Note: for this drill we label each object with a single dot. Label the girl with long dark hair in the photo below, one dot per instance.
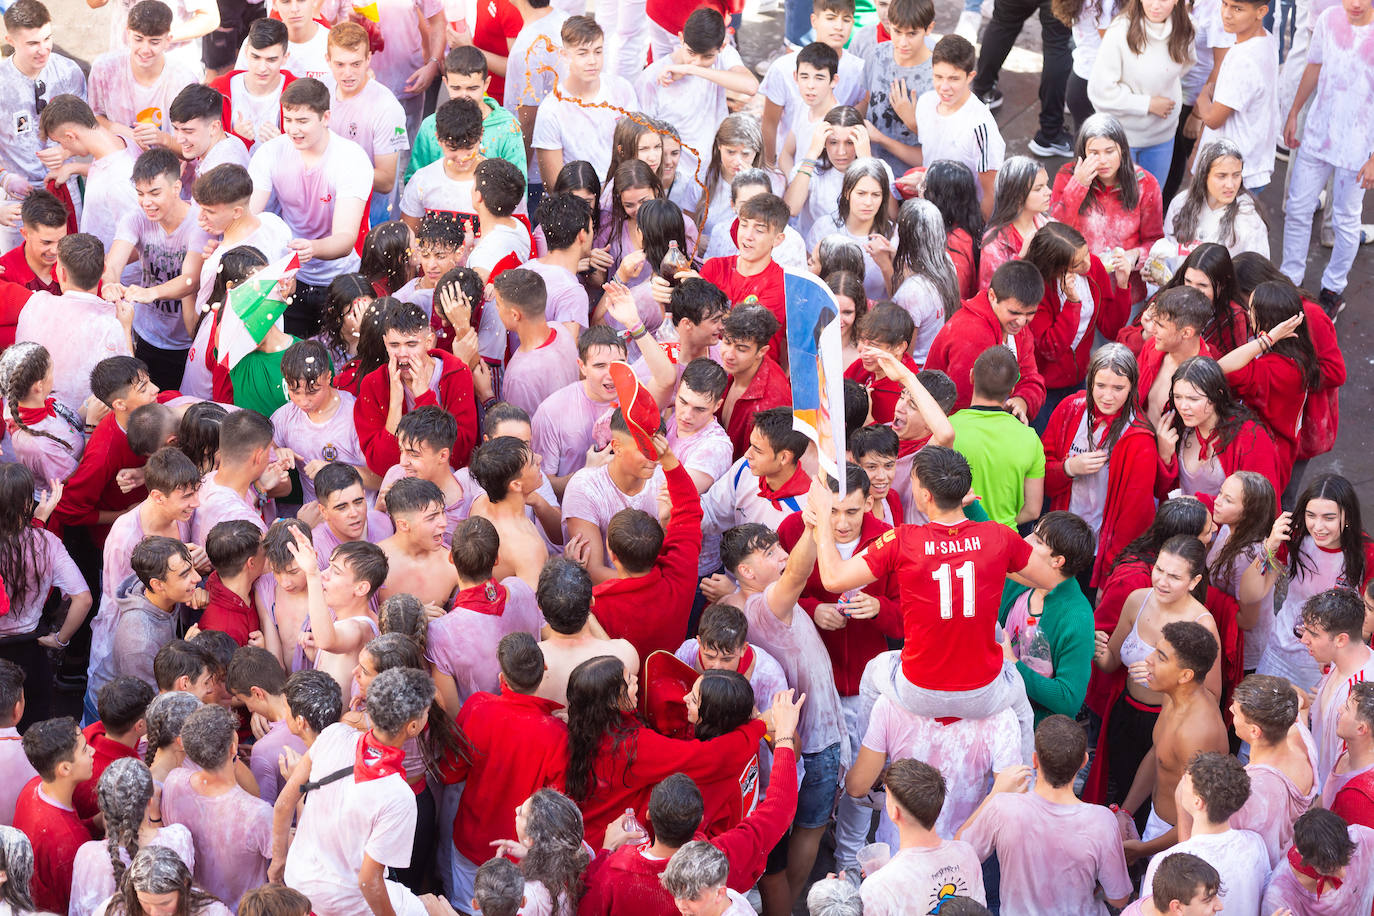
(1080, 298)
(838, 143)
(1326, 547)
(632, 185)
(862, 213)
(1205, 434)
(1126, 735)
(1020, 205)
(1100, 458)
(1209, 270)
(1104, 195)
(718, 703)
(1321, 413)
(33, 561)
(1274, 373)
(548, 843)
(123, 793)
(848, 288)
(1244, 513)
(158, 883)
(47, 437)
(345, 304)
(385, 257)
(738, 145)
(614, 761)
(1217, 207)
(924, 281)
(953, 189)
(577, 177)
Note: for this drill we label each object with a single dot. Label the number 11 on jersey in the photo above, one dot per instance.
(945, 576)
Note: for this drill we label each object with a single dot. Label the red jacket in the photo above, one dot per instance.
(225, 86)
(374, 399)
(1056, 322)
(1274, 388)
(227, 612)
(853, 646)
(883, 393)
(1322, 414)
(1105, 221)
(56, 834)
(1251, 449)
(769, 388)
(625, 775)
(106, 751)
(517, 748)
(13, 298)
(764, 288)
(1130, 480)
(651, 610)
(960, 247)
(625, 883)
(971, 330)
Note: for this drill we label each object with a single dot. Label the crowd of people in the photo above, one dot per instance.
(399, 464)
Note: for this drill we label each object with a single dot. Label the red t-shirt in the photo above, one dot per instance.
(56, 834)
(950, 580)
(497, 22)
(227, 612)
(883, 393)
(765, 288)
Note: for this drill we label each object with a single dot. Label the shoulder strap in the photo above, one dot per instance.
(323, 781)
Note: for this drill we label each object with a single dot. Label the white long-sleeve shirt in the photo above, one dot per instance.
(1122, 82)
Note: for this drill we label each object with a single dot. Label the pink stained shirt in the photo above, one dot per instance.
(232, 833)
(17, 772)
(378, 529)
(918, 880)
(533, 375)
(499, 246)
(1275, 803)
(1332, 692)
(1354, 897)
(967, 752)
(93, 875)
(797, 647)
(462, 643)
(592, 496)
(267, 752)
(220, 504)
(53, 568)
(372, 118)
(454, 513)
(1080, 845)
(78, 330)
(44, 457)
(566, 425)
(336, 439)
(566, 297)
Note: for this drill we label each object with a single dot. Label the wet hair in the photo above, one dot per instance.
(1180, 515)
(497, 462)
(314, 696)
(695, 869)
(556, 858)
(1190, 550)
(580, 175)
(252, 666)
(598, 335)
(412, 494)
(23, 557)
(333, 478)
(498, 887)
(1117, 359)
(64, 110)
(1194, 646)
(366, 561)
(564, 594)
(476, 545)
(775, 425)
(1251, 269)
(522, 661)
(122, 702)
(403, 615)
(635, 537)
(597, 694)
(278, 536)
(953, 189)
(675, 810)
(839, 252)
(1273, 303)
(874, 440)
(16, 852)
(706, 377)
(151, 427)
(82, 256)
(523, 289)
(1337, 489)
(235, 265)
(940, 387)
(1323, 840)
(23, 365)
(1060, 747)
(164, 717)
(850, 285)
(439, 233)
(274, 899)
(563, 217)
(738, 129)
(458, 123)
(501, 185)
(1204, 374)
(922, 251)
(196, 101)
(1215, 262)
(1102, 126)
(159, 870)
(113, 376)
(429, 425)
(152, 558)
(1269, 703)
(753, 323)
(208, 736)
(727, 702)
(1014, 181)
(397, 697)
(888, 324)
(231, 544)
(1185, 225)
(122, 793)
(696, 300)
(49, 743)
(344, 290)
(723, 628)
(502, 412)
(305, 361)
(386, 256)
(11, 691)
(918, 788)
(625, 141)
(306, 92)
(660, 224)
(1259, 508)
(945, 473)
(1222, 783)
(1337, 611)
(169, 470)
(856, 406)
(1068, 536)
(630, 175)
(1053, 250)
(218, 646)
(180, 658)
(739, 543)
(858, 170)
(1180, 877)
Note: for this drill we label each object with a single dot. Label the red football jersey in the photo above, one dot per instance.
(950, 579)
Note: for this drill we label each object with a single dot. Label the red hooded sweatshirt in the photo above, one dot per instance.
(651, 610)
(852, 647)
(625, 883)
(374, 400)
(1322, 415)
(1131, 471)
(1063, 363)
(1274, 388)
(971, 330)
(1250, 449)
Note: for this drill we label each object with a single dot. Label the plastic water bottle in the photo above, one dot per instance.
(631, 825)
(1035, 649)
(674, 262)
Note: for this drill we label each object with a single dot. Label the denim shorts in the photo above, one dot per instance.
(817, 793)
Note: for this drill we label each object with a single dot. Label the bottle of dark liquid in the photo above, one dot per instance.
(674, 262)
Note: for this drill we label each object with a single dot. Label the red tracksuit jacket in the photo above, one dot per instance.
(1054, 325)
(651, 610)
(455, 395)
(971, 330)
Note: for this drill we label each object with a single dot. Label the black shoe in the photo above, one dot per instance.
(992, 98)
(1059, 146)
(1332, 302)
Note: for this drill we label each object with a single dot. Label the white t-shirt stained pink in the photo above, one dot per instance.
(336, 439)
(462, 643)
(566, 297)
(917, 880)
(1275, 803)
(584, 133)
(566, 425)
(532, 375)
(161, 254)
(232, 832)
(218, 504)
(372, 118)
(115, 93)
(17, 769)
(78, 330)
(805, 661)
(592, 496)
(496, 244)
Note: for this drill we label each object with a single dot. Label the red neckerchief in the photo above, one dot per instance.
(375, 760)
(1204, 444)
(31, 415)
(487, 598)
(746, 659)
(883, 34)
(796, 485)
(1323, 881)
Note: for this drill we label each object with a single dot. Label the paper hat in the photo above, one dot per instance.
(638, 406)
(667, 679)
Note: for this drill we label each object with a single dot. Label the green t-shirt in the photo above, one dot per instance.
(1003, 453)
(258, 383)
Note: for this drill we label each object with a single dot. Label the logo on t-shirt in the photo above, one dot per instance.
(330, 452)
(750, 299)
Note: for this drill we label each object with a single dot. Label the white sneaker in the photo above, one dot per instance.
(969, 23)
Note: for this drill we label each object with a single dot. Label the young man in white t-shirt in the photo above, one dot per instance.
(445, 186)
(356, 827)
(505, 242)
(162, 230)
(307, 39)
(1241, 102)
(565, 131)
(254, 90)
(688, 88)
(197, 118)
(320, 183)
(366, 112)
(955, 124)
(134, 87)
